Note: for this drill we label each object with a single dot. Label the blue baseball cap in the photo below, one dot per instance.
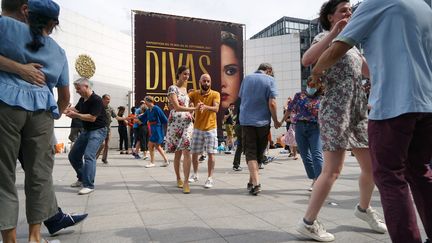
(47, 8)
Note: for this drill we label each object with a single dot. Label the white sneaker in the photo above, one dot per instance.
(315, 231)
(371, 217)
(165, 164)
(76, 184)
(193, 178)
(149, 165)
(85, 191)
(208, 183)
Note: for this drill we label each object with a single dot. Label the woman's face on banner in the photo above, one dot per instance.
(230, 76)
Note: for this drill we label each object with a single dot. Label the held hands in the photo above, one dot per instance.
(71, 112)
(32, 74)
(277, 124)
(201, 107)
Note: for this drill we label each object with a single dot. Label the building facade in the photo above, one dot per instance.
(112, 53)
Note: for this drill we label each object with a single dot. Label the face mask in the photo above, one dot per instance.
(311, 91)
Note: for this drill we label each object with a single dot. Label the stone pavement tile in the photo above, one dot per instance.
(183, 231)
(260, 235)
(71, 200)
(196, 199)
(66, 236)
(236, 225)
(217, 211)
(167, 216)
(107, 197)
(158, 205)
(260, 203)
(111, 222)
(282, 218)
(126, 235)
(214, 240)
(112, 209)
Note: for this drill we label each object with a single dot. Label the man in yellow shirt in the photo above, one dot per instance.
(205, 127)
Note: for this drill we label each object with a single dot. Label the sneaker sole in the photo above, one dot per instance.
(307, 234)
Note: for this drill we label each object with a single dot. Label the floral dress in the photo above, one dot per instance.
(343, 111)
(180, 125)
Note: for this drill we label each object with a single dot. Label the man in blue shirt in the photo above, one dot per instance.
(258, 107)
(397, 39)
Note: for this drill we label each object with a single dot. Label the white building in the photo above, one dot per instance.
(112, 53)
(283, 53)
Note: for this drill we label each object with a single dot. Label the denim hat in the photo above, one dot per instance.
(47, 8)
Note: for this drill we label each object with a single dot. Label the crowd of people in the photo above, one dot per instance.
(390, 138)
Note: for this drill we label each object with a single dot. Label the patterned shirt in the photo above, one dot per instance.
(306, 107)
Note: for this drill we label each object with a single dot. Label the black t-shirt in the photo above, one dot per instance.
(94, 107)
(76, 123)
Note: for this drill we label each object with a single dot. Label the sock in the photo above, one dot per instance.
(307, 222)
(361, 209)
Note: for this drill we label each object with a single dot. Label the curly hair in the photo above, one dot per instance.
(328, 8)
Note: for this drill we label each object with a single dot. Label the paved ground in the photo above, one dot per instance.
(135, 204)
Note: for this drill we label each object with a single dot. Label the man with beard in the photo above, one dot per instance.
(205, 127)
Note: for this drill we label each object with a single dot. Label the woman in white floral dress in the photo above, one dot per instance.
(180, 126)
(343, 123)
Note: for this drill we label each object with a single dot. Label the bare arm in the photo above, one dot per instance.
(29, 72)
(214, 107)
(174, 102)
(273, 110)
(73, 113)
(329, 58)
(287, 113)
(63, 98)
(316, 50)
(365, 68)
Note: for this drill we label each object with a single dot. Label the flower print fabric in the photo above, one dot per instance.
(180, 125)
(343, 110)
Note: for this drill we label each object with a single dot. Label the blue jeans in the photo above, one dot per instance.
(309, 144)
(86, 146)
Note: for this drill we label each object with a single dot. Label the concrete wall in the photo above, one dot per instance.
(283, 53)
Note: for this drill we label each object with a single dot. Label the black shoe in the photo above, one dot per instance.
(105, 161)
(268, 159)
(255, 190)
(249, 186)
(202, 158)
(427, 241)
(261, 166)
(62, 221)
(237, 168)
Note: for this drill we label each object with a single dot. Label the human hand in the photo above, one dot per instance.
(277, 124)
(70, 113)
(314, 81)
(201, 106)
(339, 26)
(32, 74)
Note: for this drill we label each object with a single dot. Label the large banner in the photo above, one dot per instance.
(165, 42)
